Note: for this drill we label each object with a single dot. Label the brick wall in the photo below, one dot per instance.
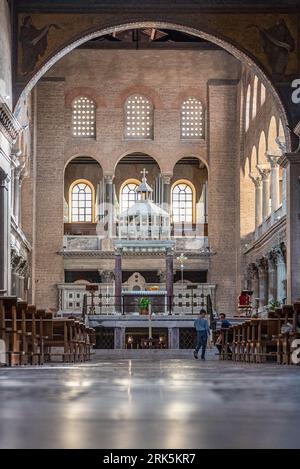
(167, 77)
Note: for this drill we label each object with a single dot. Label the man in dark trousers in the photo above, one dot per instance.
(203, 331)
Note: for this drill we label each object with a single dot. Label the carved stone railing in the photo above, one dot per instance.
(9, 125)
(270, 221)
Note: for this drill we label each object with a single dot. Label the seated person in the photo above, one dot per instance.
(244, 299)
(225, 324)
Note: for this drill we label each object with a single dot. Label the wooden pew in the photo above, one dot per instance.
(31, 335)
(10, 333)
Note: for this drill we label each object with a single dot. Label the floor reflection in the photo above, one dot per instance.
(150, 404)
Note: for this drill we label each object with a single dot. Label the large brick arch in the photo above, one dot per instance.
(204, 32)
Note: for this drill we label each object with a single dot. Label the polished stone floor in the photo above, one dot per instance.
(167, 403)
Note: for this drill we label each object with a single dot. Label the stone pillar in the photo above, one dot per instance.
(291, 162)
(281, 273)
(284, 205)
(173, 338)
(263, 281)
(119, 337)
(272, 277)
(169, 279)
(273, 160)
(109, 204)
(257, 181)
(118, 281)
(252, 280)
(265, 172)
(4, 232)
(166, 178)
(17, 195)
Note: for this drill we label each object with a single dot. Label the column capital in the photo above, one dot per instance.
(118, 251)
(281, 143)
(166, 177)
(170, 251)
(108, 178)
(252, 271)
(264, 171)
(4, 178)
(273, 159)
(15, 155)
(272, 259)
(279, 253)
(256, 179)
(262, 264)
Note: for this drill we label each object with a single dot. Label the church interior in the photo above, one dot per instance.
(149, 168)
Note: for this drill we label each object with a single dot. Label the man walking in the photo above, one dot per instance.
(202, 328)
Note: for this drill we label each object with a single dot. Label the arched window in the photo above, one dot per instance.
(191, 119)
(84, 118)
(254, 101)
(128, 194)
(247, 111)
(138, 112)
(262, 148)
(272, 145)
(262, 94)
(81, 201)
(183, 202)
(253, 162)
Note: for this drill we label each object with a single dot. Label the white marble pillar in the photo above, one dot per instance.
(109, 200)
(166, 178)
(284, 190)
(257, 181)
(265, 172)
(263, 281)
(272, 277)
(119, 338)
(281, 274)
(173, 338)
(17, 191)
(273, 160)
(252, 280)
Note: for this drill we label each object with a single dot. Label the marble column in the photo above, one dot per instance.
(4, 232)
(173, 338)
(169, 279)
(272, 277)
(257, 181)
(265, 172)
(118, 282)
(252, 280)
(273, 160)
(284, 204)
(281, 273)
(291, 162)
(119, 338)
(263, 281)
(17, 193)
(109, 204)
(167, 192)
